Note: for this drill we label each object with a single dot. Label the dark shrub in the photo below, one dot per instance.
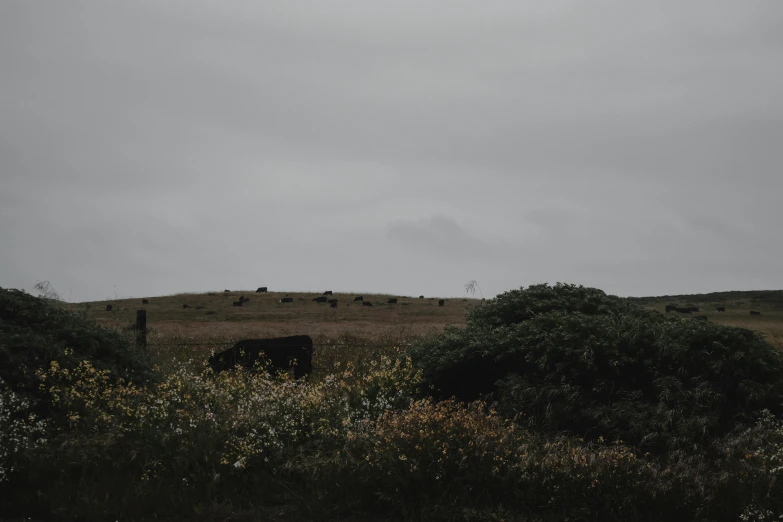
(573, 358)
(36, 331)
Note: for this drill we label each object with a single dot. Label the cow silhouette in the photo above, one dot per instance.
(393, 300)
(441, 302)
(145, 301)
(108, 308)
(280, 353)
(721, 309)
(333, 304)
(237, 303)
(359, 298)
(321, 299)
(421, 297)
(261, 289)
(185, 306)
(287, 300)
(753, 312)
(328, 292)
(366, 303)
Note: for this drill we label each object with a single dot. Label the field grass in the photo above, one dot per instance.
(738, 306)
(356, 439)
(211, 317)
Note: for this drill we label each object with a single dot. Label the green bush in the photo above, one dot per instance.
(36, 331)
(573, 358)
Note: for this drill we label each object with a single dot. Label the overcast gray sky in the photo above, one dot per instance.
(150, 147)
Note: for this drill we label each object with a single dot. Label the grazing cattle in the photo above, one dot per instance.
(359, 298)
(333, 304)
(753, 312)
(441, 302)
(321, 299)
(226, 290)
(237, 303)
(669, 308)
(421, 297)
(682, 310)
(393, 300)
(287, 300)
(261, 290)
(145, 301)
(244, 299)
(366, 303)
(328, 292)
(332, 301)
(185, 306)
(108, 308)
(280, 352)
(721, 309)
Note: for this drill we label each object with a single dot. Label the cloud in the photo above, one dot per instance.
(438, 236)
(175, 146)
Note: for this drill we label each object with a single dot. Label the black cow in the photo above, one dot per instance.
(359, 298)
(332, 301)
(721, 309)
(185, 306)
(280, 352)
(328, 292)
(145, 301)
(108, 308)
(441, 302)
(321, 299)
(753, 312)
(237, 303)
(682, 310)
(393, 300)
(421, 297)
(261, 289)
(366, 303)
(669, 308)
(287, 300)
(244, 299)
(333, 304)
(226, 290)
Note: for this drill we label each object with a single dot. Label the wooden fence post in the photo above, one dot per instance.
(141, 328)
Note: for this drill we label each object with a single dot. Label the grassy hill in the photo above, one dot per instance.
(601, 411)
(741, 301)
(212, 316)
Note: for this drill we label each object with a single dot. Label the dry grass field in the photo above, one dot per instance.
(737, 305)
(349, 332)
(212, 318)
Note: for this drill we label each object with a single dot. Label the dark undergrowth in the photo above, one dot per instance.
(554, 403)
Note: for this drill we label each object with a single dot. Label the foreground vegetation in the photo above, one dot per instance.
(551, 403)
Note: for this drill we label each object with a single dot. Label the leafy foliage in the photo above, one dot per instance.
(34, 331)
(573, 358)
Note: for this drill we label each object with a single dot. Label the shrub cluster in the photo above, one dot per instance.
(188, 444)
(566, 357)
(36, 331)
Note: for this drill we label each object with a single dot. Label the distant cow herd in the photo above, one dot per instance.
(690, 309)
(322, 299)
